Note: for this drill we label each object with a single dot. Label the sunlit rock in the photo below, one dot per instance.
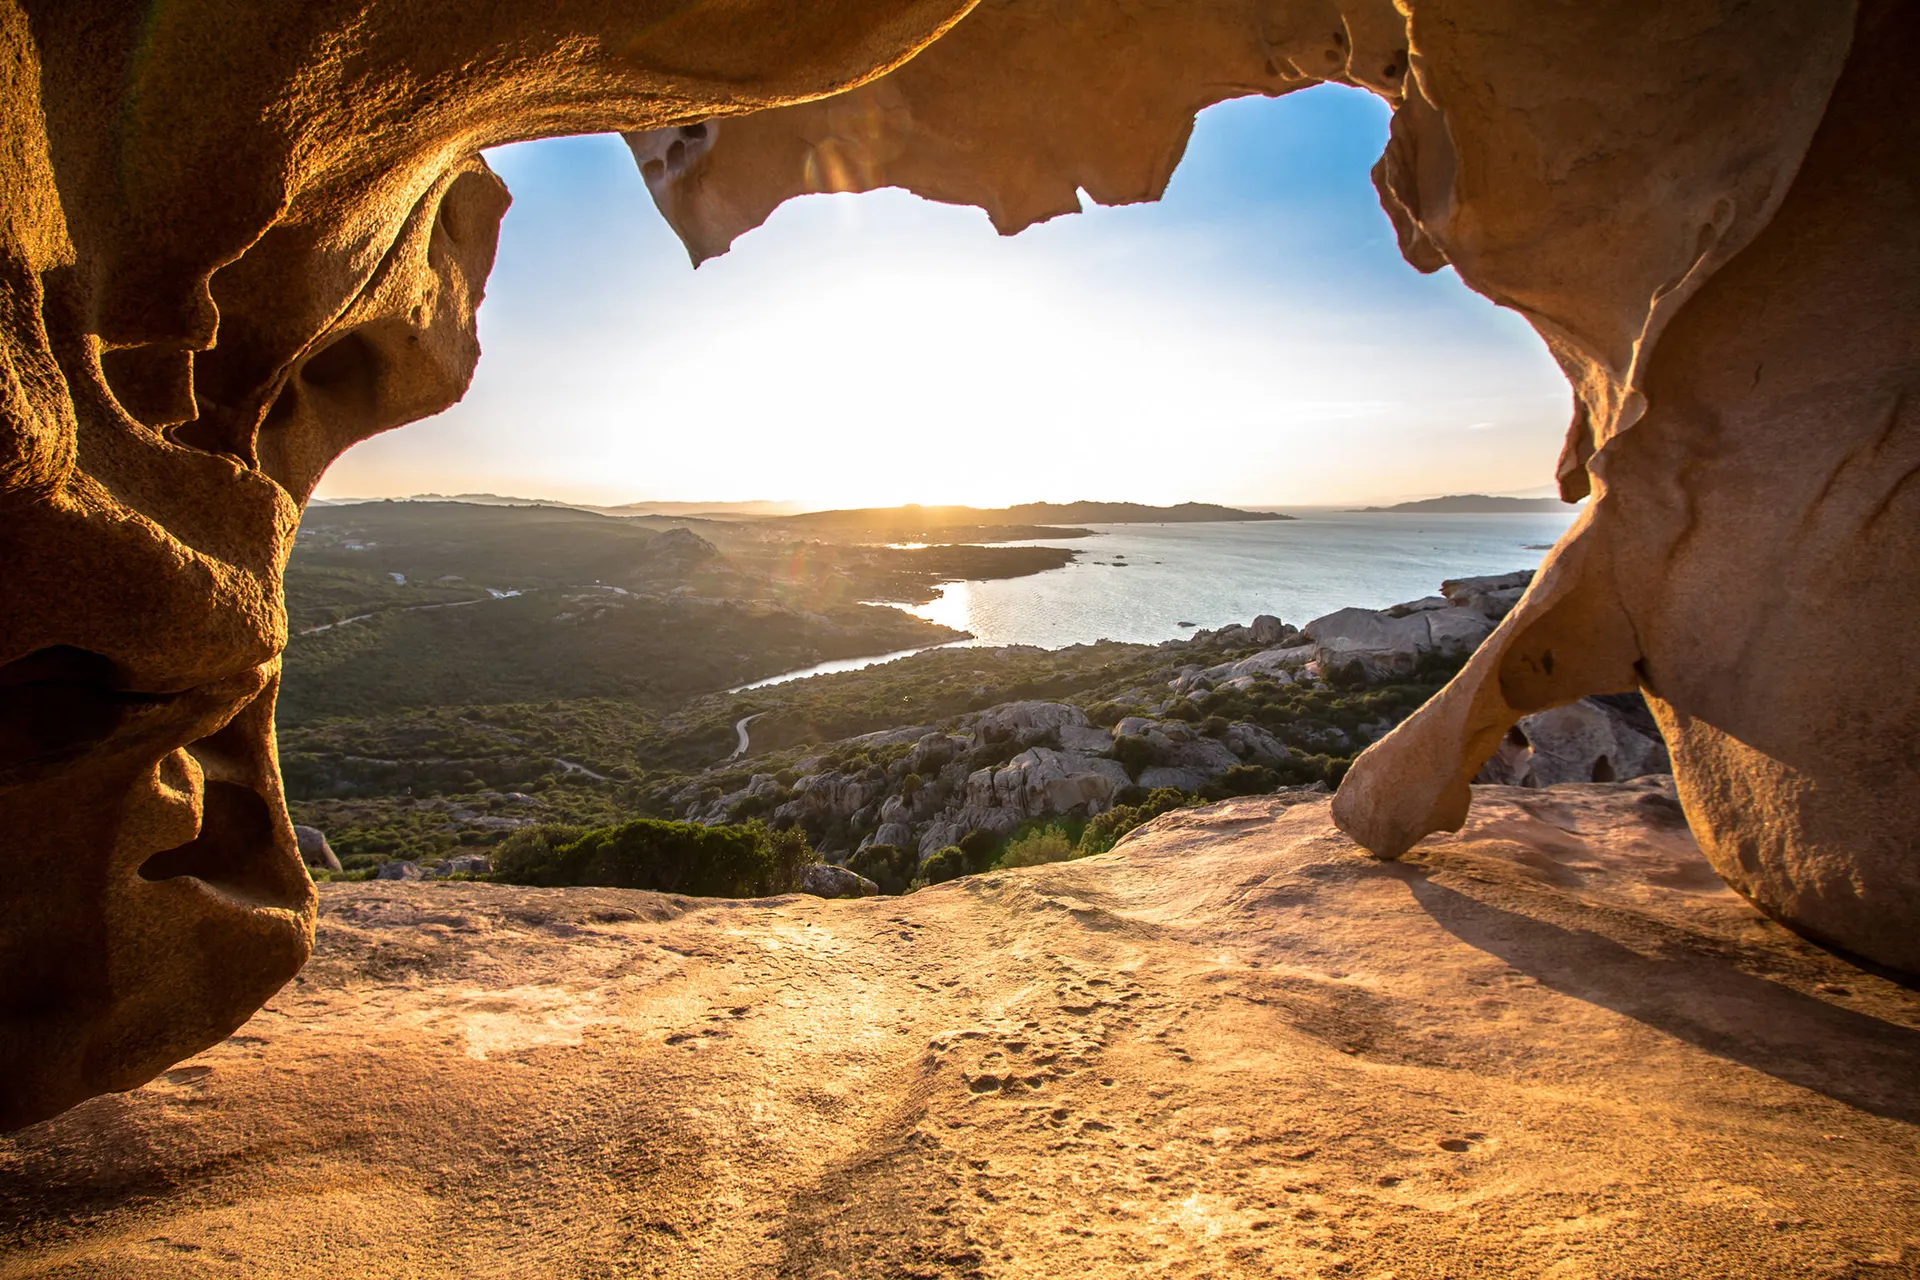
(231, 248)
(232, 244)
(1640, 201)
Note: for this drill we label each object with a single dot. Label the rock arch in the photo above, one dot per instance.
(230, 249)
(1687, 205)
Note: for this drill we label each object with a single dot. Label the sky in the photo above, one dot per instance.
(1254, 339)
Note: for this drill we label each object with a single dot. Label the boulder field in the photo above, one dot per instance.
(1554, 1044)
(1050, 760)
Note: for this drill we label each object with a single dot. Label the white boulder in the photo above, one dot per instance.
(1023, 721)
(1587, 741)
(897, 834)
(823, 880)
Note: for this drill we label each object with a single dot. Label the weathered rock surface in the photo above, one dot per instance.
(1555, 1045)
(1747, 558)
(825, 881)
(229, 249)
(234, 241)
(314, 849)
(1037, 783)
(1637, 200)
(1591, 740)
(1385, 645)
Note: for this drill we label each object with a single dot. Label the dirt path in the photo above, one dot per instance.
(1553, 1046)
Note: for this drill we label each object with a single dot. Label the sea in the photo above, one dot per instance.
(1148, 583)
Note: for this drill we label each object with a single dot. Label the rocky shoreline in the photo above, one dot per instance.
(1058, 761)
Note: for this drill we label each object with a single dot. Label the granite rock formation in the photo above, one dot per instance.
(1709, 212)
(229, 248)
(314, 849)
(1555, 1045)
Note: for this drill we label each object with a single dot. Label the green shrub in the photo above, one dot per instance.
(743, 861)
(1105, 830)
(947, 864)
(1215, 726)
(748, 807)
(1242, 780)
(1134, 753)
(531, 855)
(979, 847)
(1048, 844)
(886, 865)
(1345, 677)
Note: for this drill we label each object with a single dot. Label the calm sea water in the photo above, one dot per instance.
(1213, 575)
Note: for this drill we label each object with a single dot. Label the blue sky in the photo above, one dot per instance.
(1254, 338)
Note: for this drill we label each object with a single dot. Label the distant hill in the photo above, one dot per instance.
(918, 519)
(717, 509)
(694, 509)
(1473, 504)
(397, 605)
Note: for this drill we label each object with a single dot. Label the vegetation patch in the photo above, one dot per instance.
(748, 860)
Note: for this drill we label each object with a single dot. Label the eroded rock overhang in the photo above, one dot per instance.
(229, 249)
(1642, 182)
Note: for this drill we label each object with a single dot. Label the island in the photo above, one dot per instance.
(1026, 520)
(1478, 504)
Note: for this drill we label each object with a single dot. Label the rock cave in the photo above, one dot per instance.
(1596, 1030)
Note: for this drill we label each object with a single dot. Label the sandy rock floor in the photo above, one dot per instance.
(1552, 1046)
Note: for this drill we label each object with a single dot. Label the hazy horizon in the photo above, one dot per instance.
(1254, 339)
(788, 506)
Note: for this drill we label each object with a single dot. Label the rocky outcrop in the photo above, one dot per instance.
(1636, 203)
(1039, 782)
(825, 881)
(1182, 757)
(1267, 630)
(468, 864)
(1592, 740)
(1553, 1045)
(1379, 643)
(1493, 596)
(314, 849)
(230, 247)
(403, 870)
(1047, 760)
(228, 250)
(1383, 645)
(680, 547)
(827, 796)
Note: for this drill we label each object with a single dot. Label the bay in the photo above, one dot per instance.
(1140, 583)
(1147, 583)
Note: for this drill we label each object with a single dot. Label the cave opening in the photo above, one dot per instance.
(876, 348)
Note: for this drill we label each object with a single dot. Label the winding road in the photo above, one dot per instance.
(740, 727)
